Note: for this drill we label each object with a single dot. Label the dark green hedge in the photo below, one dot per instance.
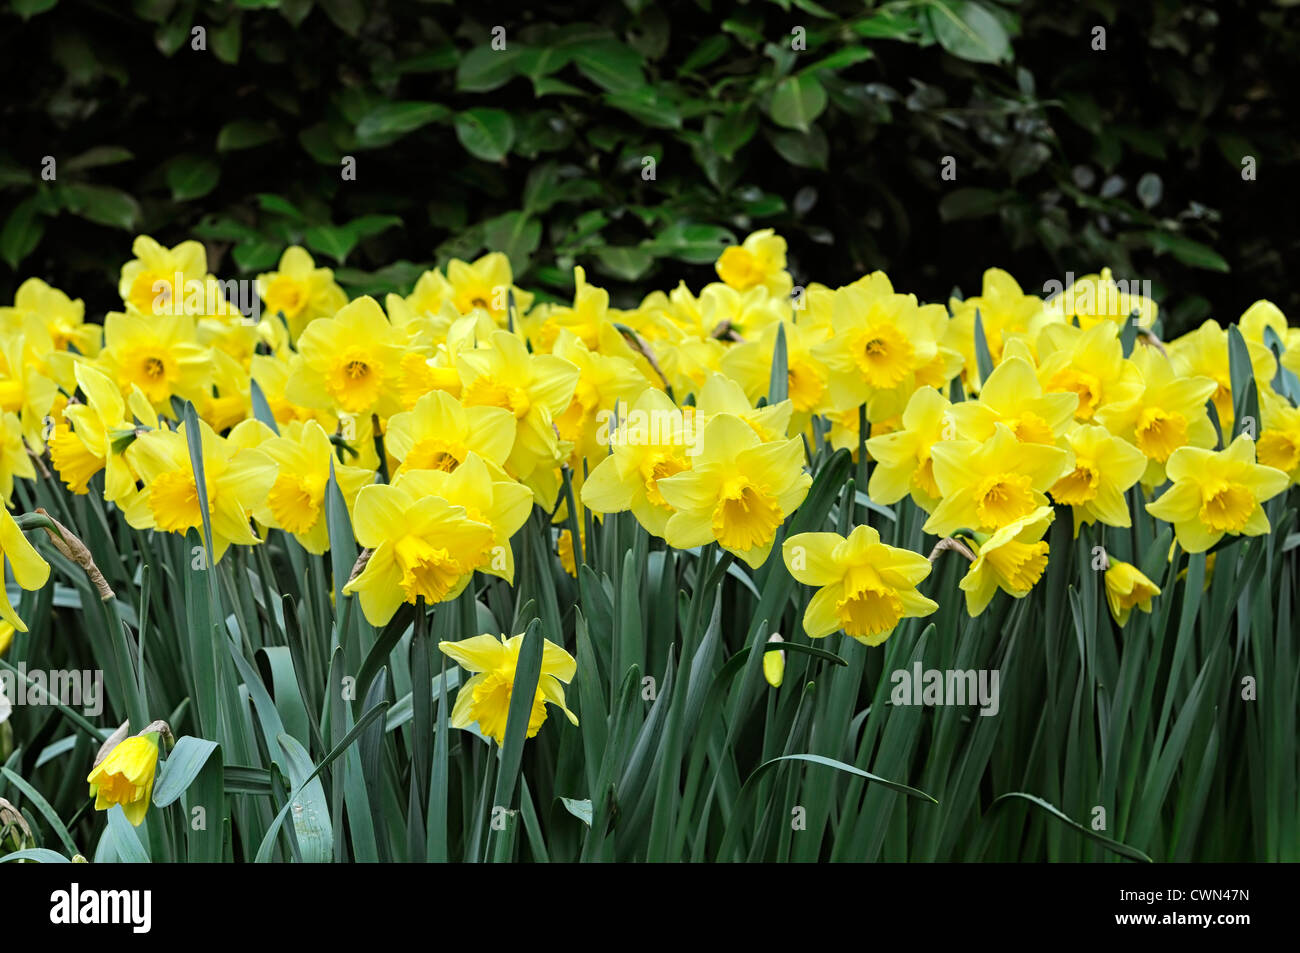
(1067, 157)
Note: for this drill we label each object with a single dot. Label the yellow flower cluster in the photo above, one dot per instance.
(445, 414)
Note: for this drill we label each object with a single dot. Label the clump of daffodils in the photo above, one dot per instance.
(447, 416)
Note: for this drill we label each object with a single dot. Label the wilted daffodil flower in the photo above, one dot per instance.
(1127, 587)
(126, 777)
(865, 586)
(485, 698)
(1215, 493)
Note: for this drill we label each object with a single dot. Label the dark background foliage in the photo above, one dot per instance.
(1067, 157)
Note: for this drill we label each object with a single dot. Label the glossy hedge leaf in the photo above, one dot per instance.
(21, 234)
(625, 262)
(968, 31)
(810, 150)
(96, 157)
(30, 8)
(102, 205)
(699, 244)
(483, 69)
(797, 101)
(729, 132)
(395, 119)
(192, 177)
(1186, 250)
(245, 134)
(485, 133)
(968, 203)
(515, 234)
(611, 65)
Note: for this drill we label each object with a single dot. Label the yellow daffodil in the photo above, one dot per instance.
(1216, 493)
(480, 285)
(759, 261)
(1104, 468)
(1089, 364)
(485, 698)
(650, 442)
(535, 388)
(1011, 559)
(1126, 588)
(99, 433)
(722, 395)
(29, 570)
(348, 363)
(1279, 443)
(584, 320)
(1204, 353)
(864, 587)
(1095, 298)
(903, 457)
(487, 495)
(1013, 396)
(439, 433)
(154, 282)
(300, 291)
(604, 380)
(879, 341)
(738, 491)
(158, 354)
(24, 391)
(170, 498)
(63, 318)
(14, 458)
(1168, 413)
(985, 486)
(422, 547)
(288, 476)
(740, 315)
(126, 777)
(750, 364)
(1004, 310)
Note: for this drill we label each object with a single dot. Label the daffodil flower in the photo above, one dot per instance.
(348, 363)
(154, 282)
(300, 291)
(650, 443)
(1011, 559)
(737, 493)
(170, 499)
(985, 486)
(288, 476)
(1127, 588)
(1104, 468)
(757, 262)
(1013, 396)
(29, 570)
(158, 354)
(865, 587)
(904, 462)
(485, 698)
(126, 777)
(1217, 493)
(422, 547)
(439, 433)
